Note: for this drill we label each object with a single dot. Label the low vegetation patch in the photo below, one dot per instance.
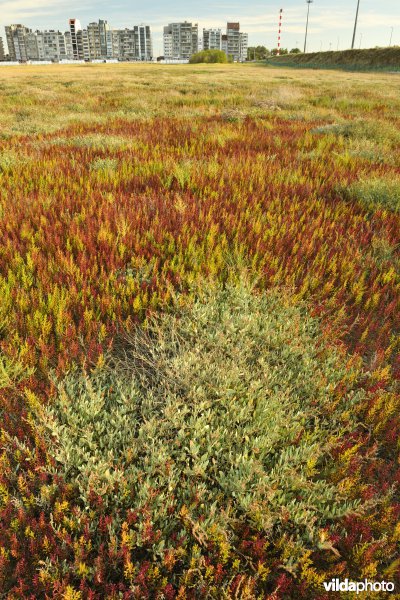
(375, 193)
(209, 56)
(8, 160)
(219, 417)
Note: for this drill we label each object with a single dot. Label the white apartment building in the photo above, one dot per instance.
(94, 40)
(128, 44)
(48, 45)
(134, 44)
(32, 47)
(181, 40)
(167, 44)
(244, 44)
(76, 40)
(212, 39)
(2, 51)
(97, 36)
(237, 42)
(54, 46)
(144, 46)
(112, 43)
(82, 37)
(15, 35)
(69, 51)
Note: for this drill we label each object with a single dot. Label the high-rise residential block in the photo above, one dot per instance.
(2, 51)
(97, 36)
(104, 28)
(69, 51)
(94, 40)
(15, 35)
(167, 42)
(244, 44)
(134, 44)
(237, 42)
(181, 40)
(34, 46)
(83, 41)
(76, 39)
(113, 41)
(55, 46)
(224, 43)
(212, 39)
(48, 45)
(127, 44)
(144, 46)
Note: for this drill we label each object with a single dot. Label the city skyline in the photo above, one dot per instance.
(328, 29)
(99, 41)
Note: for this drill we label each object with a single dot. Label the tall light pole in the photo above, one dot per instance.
(391, 36)
(355, 25)
(308, 14)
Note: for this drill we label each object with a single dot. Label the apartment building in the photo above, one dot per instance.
(97, 36)
(34, 46)
(127, 44)
(237, 42)
(144, 46)
(2, 51)
(224, 43)
(69, 50)
(48, 45)
(181, 40)
(15, 35)
(103, 29)
(212, 39)
(76, 39)
(133, 44)
(167, 43)
(112, 42)
(83, 43)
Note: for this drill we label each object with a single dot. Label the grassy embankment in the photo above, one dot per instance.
(373, 59)
(245, 443)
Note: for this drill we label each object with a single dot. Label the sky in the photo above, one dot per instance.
(330, 27)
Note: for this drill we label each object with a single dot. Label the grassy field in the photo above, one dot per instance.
(199, 331)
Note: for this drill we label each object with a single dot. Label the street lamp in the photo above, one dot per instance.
(355, 25)
(308, 14)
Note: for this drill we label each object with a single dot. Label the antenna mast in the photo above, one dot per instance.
(279, 32)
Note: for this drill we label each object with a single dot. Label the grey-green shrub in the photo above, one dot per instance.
(104, 164)
(376, 193)
(227, 407)
(8, 160)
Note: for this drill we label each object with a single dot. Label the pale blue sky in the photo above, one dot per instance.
(331, 21)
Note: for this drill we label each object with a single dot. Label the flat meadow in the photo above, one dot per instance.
(199, 331)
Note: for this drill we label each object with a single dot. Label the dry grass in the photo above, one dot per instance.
(43, 99)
